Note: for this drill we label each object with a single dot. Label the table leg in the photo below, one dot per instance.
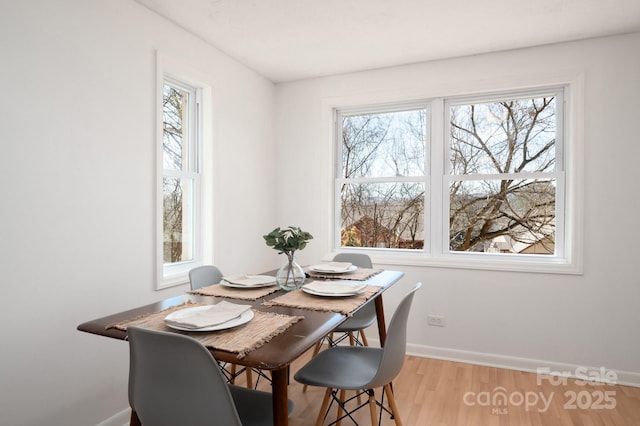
(134, 421)
(382, 327)
(279, 384)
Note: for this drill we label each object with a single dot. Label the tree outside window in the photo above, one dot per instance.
(179, 180)
(502, 182)
(382, 184)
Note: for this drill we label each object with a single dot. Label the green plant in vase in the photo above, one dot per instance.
(287, 240)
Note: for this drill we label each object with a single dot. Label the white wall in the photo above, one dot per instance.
(520, 320)
(77, 206)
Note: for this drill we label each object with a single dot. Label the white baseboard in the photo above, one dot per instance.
(626, 378)
(119, 419)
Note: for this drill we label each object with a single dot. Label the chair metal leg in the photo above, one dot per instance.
(392, 404)
(233, 374)
(323, 408)
(345, 410)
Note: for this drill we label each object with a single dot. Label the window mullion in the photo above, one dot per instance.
(438, 205)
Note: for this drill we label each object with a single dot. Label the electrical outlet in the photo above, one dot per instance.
(437, 320)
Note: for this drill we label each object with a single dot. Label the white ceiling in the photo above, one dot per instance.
(287, 40)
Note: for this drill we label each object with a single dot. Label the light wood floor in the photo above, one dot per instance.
(432, 392)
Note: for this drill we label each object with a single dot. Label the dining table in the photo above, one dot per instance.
(275, 355)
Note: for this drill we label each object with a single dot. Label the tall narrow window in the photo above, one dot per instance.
(180, 177)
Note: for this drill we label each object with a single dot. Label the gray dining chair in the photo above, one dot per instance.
(203, 276)
(175, 380)
(366, 316)
(352, 328)
(206, 275)
(362, 369)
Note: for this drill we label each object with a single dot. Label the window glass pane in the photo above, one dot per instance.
(178, 219)
(510, 136)
(383, 215)
(175, 106)
(384, 144)
(503, 216)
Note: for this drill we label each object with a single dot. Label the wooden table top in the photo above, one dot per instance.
(275, 354)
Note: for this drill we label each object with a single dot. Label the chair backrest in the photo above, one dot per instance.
(395, 345)
(361, 261)
(174, 380)
(358, 259)
(203, 276)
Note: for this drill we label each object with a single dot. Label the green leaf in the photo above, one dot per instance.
(287, 240)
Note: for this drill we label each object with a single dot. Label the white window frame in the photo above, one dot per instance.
(568, 257)
(176, 73)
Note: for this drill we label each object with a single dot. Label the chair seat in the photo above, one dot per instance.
(362, 319)
(342, 367)
(255, 408)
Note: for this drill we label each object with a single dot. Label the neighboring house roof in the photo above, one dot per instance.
(528, 244)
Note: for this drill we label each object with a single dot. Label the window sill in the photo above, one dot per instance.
(485, 262)
(173, 281)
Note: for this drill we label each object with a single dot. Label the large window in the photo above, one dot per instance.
(481, 177)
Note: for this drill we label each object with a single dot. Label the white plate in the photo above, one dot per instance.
(244, 318)
(323, 270)
(250, 281)
(329, 294)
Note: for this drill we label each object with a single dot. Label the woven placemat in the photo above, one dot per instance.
(235, 293)
(360, 274)
(343, 305)
(242, 339)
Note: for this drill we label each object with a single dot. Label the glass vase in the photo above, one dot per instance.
(290, 276)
